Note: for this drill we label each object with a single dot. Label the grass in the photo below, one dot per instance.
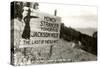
(61, 52)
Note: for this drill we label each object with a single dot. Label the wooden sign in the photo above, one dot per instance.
(45, 30)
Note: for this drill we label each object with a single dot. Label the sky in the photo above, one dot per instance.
(73, 15)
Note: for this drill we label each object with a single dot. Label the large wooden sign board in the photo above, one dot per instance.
(45, 30)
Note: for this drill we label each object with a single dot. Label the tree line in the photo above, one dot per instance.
(89, 43)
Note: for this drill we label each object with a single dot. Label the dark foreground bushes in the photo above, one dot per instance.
(89, 43)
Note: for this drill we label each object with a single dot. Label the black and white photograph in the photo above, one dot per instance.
(46, 33)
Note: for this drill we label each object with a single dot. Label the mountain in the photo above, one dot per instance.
(88, 31)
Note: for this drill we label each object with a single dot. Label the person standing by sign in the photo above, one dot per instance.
(27, 15)
(26, 32)
(20, 25)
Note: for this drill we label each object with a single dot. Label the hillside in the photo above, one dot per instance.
(88, 31)
(64, 50)
(89, 43)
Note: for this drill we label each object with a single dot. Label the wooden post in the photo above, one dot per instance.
(50, 53)
(55, 13)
